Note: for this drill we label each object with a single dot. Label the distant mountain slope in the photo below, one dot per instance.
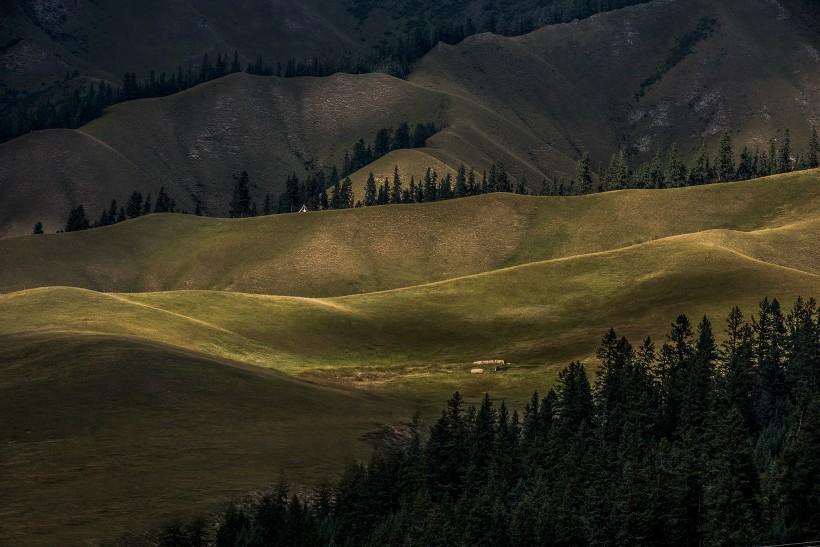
(194, 142)
(361, 250)
(43, 39)
(640, 77)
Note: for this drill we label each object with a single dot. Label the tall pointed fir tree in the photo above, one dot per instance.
(396, 191)
(785, 153)
(726, 159)
(813, 150)
(583, 176)
(240, 205)
(370, 192)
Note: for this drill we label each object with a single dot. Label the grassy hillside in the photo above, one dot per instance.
(363, 250)
(193, 143)
(502, 313)
(121, 410)
(534, 102)
(105, 434)
(174, 410)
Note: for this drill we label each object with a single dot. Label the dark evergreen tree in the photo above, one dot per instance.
(396, 192)
(583, 175)
(461, 190)
(676, 172)
(370, 192)
(726, 169)
(813, 150)
(38, 229)
(785, 153)
(77, 220)
(240, 205)
(134, 206)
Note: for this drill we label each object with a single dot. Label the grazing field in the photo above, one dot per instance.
(143, 399)
(337, 253)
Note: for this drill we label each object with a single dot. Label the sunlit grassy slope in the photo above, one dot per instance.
(345, 252)
(120, 409)
(548, 311)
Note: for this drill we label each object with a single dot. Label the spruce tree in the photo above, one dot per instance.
(77, 220)
(785, 153)
(461, 189)
(240, 205)
(401, 138)
(370, 192)
(676, 172)
(430, 187)
(134, 206)
(583, 176)
(813, 150)
(396, 192)
(381, 146)
(347, 194)
(726, 160)
(731, 495)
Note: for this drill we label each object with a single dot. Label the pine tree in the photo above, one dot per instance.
(134, 206)
(445, 187)
(396, 192)
(240, 205)
(813, 150)
(112, 212)
(38, 228)
(401, 138)
(461, 189)
(726, 160)
(383, 196)
(381, 146)
(370, 192)
(430, 187)
(146, 206)
(774, 162)
(785, 153)
(347, 194)
(77, 220)
(731, 494)
(583, 176)
(675, 169)
(745, 167)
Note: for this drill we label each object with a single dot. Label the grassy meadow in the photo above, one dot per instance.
(163, 365)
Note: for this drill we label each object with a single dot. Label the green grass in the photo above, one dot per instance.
(346, 252)
(106, 434)
(122, 409)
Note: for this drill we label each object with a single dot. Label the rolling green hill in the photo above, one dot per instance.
(363, 250)
(102, 434)
(123, 409)
(535, 102)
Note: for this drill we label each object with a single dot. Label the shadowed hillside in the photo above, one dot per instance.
(94, 427)
(533, 102)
